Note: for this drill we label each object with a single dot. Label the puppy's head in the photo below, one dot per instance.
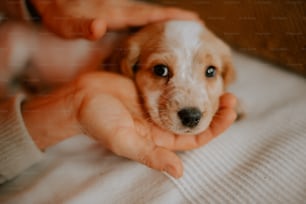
(180, 69)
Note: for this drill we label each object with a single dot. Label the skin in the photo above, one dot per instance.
(92, 18)
(112, 116)
(105, 106)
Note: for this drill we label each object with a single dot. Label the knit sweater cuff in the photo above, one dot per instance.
(17, 149)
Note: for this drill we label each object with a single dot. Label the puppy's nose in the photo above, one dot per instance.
(190, 117)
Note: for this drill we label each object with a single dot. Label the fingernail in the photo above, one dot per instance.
(97, 29)
(172, 171)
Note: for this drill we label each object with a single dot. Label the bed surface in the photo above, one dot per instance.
(260, 159)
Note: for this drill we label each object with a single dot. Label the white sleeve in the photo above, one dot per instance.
(17, 149)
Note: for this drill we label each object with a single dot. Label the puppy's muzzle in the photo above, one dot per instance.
(190, 117)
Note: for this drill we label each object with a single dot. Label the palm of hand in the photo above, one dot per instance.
(112, 115)
(106, 116)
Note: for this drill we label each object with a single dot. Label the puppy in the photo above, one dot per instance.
(179, 67)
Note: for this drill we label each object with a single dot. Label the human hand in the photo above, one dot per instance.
(116, 120)
(105, 106)
(92, 18)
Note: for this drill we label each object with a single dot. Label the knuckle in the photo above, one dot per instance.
(146, 161)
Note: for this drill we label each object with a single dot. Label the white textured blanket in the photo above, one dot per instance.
(261, 159)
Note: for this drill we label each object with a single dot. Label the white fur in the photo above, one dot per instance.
(182, 42)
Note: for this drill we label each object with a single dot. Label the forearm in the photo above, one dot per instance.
(52, 118)
(55, 117)
(17, 149)
(28, 126)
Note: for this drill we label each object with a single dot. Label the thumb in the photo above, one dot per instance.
(127, 143)
(68, 27)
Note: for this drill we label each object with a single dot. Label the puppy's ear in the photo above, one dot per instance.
(130, 58)
(228, 71)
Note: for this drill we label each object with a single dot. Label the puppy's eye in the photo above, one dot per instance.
(161, 70)
(210, 71)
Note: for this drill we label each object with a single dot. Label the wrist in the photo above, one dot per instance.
(51, 119)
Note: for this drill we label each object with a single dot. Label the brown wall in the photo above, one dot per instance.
(272, 29)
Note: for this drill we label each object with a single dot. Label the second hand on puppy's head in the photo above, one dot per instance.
(181, 69)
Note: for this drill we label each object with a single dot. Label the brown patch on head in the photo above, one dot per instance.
(228, 71)
(222, 50)
(139, 45)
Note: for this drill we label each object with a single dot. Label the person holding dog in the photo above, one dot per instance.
(110, 114)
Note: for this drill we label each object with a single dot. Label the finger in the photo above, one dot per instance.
(228, 100)
(147, 13)
(67, 27)
(98, 29)
(172, 141)
(222, 120)
(127, 143)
